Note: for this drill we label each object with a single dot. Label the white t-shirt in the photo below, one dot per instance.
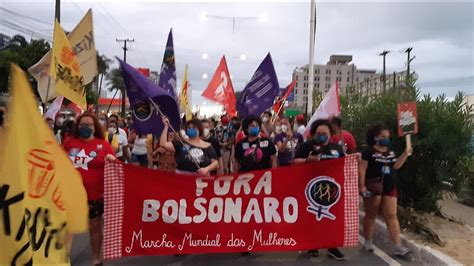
(301, 129)
(122, 141)
(140, 146)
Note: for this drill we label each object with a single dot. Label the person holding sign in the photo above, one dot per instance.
(377, 185)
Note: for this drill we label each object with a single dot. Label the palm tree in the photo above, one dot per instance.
(115, 82)
(103, 64)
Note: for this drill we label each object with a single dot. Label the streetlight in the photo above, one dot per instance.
(204, 76)
(243, 57)
(262, 18)
(205, 56)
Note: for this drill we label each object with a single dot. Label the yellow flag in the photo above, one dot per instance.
(183, 98)
(83, 43)
(41, 193)
(65, 69)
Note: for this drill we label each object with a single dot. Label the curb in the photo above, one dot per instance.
(425, 254)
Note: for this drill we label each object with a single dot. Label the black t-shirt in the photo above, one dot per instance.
(327, 152)
(215, 144)
(245, 150)
(379, 163)
(184, 156)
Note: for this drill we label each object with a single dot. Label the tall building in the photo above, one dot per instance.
(340, 68)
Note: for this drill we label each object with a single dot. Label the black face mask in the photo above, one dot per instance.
(1, 119)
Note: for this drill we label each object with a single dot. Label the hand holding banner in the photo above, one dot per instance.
(407, 118)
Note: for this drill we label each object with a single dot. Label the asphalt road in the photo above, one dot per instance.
(81, 255)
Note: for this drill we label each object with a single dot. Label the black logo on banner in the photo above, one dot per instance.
(322, 193)
(142, 110)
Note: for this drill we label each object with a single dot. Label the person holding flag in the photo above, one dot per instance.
(183, 97)
(193, 155)
(287, 143)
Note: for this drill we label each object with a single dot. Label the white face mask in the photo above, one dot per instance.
(284, 128)
(278, 129)
(183, 134)
(206, 132)
(60, 120)
(265, 119)
(112, 130)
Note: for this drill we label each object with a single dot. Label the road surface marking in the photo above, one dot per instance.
(384, 256)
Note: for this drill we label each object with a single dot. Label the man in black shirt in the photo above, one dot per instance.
(317, 149)
(254, 152)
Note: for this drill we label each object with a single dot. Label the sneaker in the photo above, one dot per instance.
(368, 246)
(400, 250)
(313, 252)
(335, 254)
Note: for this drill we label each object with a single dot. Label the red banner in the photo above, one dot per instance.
(300, 207)
(407, 118)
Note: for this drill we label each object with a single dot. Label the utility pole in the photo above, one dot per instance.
(124, 47)
(57, 10)
(384, 80)
(409, 59)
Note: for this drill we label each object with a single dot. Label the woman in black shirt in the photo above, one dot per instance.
(317, 149)
(194, 152)
(377, 185)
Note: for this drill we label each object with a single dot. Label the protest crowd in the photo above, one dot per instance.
(258, 137)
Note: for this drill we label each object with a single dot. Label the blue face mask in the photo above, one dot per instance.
(254, 131)
(320, 139)
(384, 142)
(85, 132)
(191, 132)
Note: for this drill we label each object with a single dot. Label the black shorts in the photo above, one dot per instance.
(96, 208)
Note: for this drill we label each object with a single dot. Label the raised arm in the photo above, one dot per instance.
(164, 136)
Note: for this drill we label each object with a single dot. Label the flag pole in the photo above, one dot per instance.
(279, 110)
(174, 131)
(110, 104)
(311, 57)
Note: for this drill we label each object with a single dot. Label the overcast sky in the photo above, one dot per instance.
(441, 34)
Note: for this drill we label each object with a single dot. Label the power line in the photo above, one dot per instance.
(24, 16)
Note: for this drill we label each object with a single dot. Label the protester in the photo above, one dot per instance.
(287, 143)
(226, 135)
(114, 117)
(254, 152)
(165, 159)
(277, 128)
(377, 185)
(103, 121)
(347, 142)
(193, 155)
(118, 142)
(267, 127)
(88, 151)
(207, 136)
(141, 154)
(301, 123)
(317, 149)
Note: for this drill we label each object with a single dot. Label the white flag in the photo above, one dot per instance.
(330, 106)
(54, 108)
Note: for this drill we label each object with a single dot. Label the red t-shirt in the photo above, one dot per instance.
(349, 141)
(89, 159)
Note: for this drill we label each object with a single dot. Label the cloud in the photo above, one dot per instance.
(440, 33)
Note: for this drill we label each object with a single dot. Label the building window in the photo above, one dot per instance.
(305, 77)
(305, 85)
(339, 72)
(316, 71)
(296, 84)
(347, 79)
(328, 71)
(296, 77)
(316, 79)
(348, 73)
(317, 85)
(328, 78)
(305, 92)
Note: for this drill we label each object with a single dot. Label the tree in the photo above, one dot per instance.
(22, 53)
(115, 82)
(442, 152)
(103, 64)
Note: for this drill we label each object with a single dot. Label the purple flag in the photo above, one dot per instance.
(146, 119)
(167, 79)
(261, 90)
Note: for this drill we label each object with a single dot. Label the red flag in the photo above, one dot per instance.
(281, 100)
(220, 88)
